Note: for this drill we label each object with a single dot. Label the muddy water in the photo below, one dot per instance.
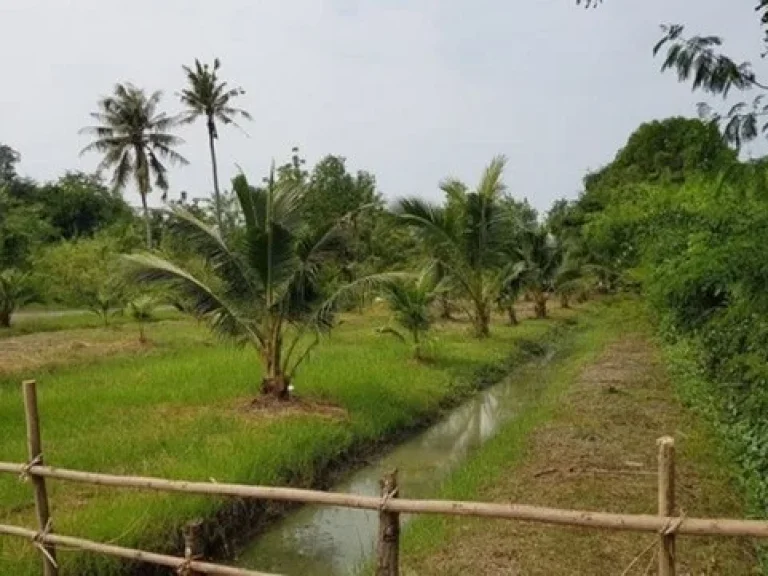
(315, 541)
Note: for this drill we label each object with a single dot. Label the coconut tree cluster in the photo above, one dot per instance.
(136, 140)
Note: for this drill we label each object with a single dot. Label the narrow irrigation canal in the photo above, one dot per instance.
(315, 541)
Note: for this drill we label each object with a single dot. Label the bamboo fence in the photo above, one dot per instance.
(388, 504)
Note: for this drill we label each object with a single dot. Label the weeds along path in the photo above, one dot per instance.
(592, 447)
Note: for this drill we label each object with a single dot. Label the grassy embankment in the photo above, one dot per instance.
(588, 444)
(186, 414)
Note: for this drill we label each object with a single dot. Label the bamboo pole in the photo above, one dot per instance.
(35, 454)
(666, 446)
(130, 554)
(604, 520)
(193, 542)
(388, 544)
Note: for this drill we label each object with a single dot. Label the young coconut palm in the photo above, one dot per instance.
(15, 291)
(543, 258)
(513, 288)
(207, 97)
(467, 237)
(133, 137)
(142, 309)
(410, 300)
(265, 289)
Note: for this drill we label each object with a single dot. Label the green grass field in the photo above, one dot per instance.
(36, 320)
(186, 414)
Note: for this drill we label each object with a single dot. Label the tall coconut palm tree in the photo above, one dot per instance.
(207, 97)
(260, 285)
(134, 139)
(467, 237)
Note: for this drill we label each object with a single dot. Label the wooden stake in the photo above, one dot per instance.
(193, 542)
(666, 446)
(388, 547)
(35, 454)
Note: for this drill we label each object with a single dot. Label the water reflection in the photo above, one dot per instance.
(337, 541)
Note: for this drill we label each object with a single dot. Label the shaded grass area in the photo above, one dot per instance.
(35, 320)
(186, 414)
(590, 444)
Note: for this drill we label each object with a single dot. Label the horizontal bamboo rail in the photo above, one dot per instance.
(129, 553)
(586, 519)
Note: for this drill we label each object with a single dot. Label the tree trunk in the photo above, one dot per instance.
(275, 383)
(482, 320)
(512, 316)
(445, 308)
(147, 222)
(142, 335)
(564, 301)
(276, 386)
(215, 168)
(5, 318)
(540, 304)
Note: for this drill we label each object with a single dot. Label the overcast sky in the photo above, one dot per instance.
(412, 90)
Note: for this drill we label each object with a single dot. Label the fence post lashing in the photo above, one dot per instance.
(388, 545)
(666, 445)
(193, 543)
(35, 454)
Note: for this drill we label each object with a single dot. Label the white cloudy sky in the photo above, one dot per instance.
(413, 90)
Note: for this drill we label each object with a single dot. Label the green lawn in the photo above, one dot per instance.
(184, 414)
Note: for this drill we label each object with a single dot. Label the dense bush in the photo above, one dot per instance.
(696, 242)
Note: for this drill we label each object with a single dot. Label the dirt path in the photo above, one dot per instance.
(598, 452)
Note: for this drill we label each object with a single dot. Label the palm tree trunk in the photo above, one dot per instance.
(445, 308)
(512, 315)
(147, 222)
(215, 168)
(540, 306)
(482, 320)
(275, 382)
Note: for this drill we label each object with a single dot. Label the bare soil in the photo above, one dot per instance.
(599, 453)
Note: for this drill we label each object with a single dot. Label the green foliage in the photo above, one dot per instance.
(8, 160)
(86, 273)
(80, 205)
(697, 247)
(22, 229)
(15, 291)
(667, 151)
(333, 192)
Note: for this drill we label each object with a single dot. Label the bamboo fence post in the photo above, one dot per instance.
(666, 446)
(193, 543)
(388, 546)
(35, 453)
